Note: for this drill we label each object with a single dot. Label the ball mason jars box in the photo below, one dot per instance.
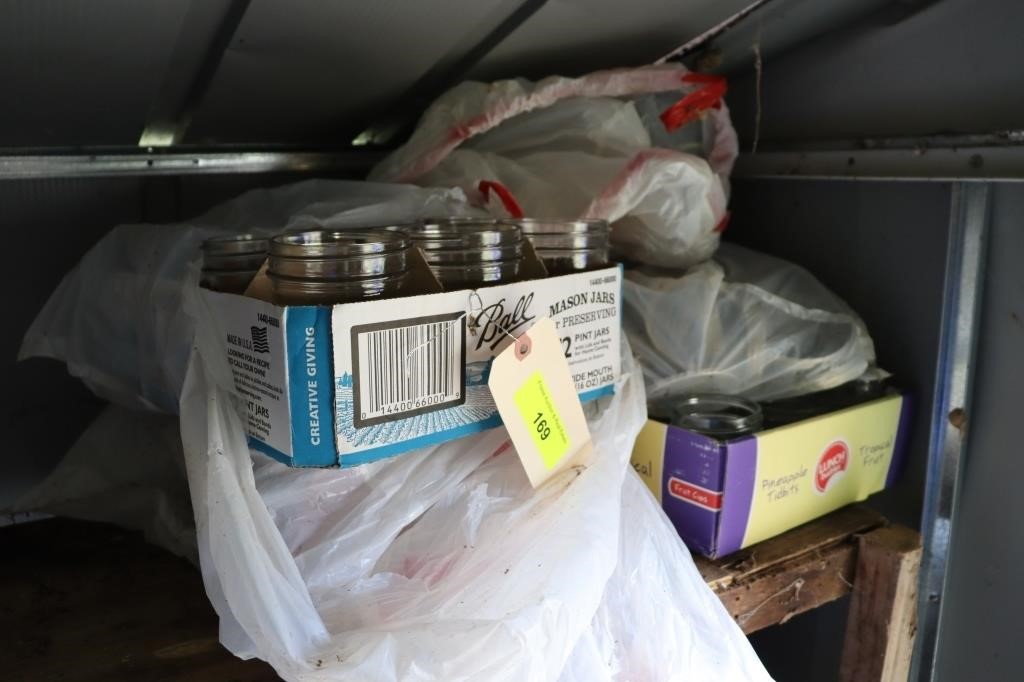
(347, 384)
(726, 494)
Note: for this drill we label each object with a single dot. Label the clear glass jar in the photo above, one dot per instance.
(568, 246)
(465, 253)
(325, 267)
(723, 417)
(230, 263)
(568, 261)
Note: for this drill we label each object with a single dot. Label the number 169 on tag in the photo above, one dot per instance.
(542, 419)
(543, 430)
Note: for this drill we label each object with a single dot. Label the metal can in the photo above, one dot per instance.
(722, 417)
(568, 246)
(465, 253)
(325, 267)
(229, 263)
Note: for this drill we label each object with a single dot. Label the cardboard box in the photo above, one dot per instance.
(723, 496)
(353, 383)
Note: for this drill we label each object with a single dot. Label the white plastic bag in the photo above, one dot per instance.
(444, 564)
(126, 468)
(657, 620)
(117, 318)
(565, 148)
(746, 324)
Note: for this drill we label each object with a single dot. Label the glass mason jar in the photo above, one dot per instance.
(568, 246)
(229, 263)
(465, 253)
(723, 417)
(325, 267)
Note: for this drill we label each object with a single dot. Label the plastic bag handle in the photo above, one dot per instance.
(723, 223)
(708, 96)
(507, 200)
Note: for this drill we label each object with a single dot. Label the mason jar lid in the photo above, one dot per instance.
(718, 416)
(338, 243)
(539, 226)
(234, 244)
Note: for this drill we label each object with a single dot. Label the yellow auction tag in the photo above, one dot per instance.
(542, 419)
(535, 394)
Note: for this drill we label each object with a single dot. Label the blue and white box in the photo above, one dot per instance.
(352, 383)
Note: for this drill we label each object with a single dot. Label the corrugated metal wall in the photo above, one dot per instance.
(982, 630)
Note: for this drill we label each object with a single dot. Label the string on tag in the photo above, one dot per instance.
(474, 298)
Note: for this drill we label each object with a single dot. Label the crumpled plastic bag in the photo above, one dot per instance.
(443, 563)
(744, 324)
(126, 468)
(116, 320)
(574, 148)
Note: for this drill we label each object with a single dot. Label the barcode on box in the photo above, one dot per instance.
(407, 367)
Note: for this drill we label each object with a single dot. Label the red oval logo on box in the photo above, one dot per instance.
(831, 465)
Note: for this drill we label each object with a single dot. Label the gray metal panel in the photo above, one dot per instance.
(310, 71)
(965, 262)
(926, 160)
(142, 163)
(48, 225)
(81, 72)
(882, 248)
(981, 630)
(776, 26)
(571, 37)
(952, 67)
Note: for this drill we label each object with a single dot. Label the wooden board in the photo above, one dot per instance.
(883, 612)
(801, 569)
(88, 602)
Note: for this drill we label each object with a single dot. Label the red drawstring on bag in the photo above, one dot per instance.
(723, 223)
(690, 107)
(507, 200)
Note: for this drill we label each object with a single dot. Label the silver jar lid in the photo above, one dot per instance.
(718, 416)
(338, 243)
